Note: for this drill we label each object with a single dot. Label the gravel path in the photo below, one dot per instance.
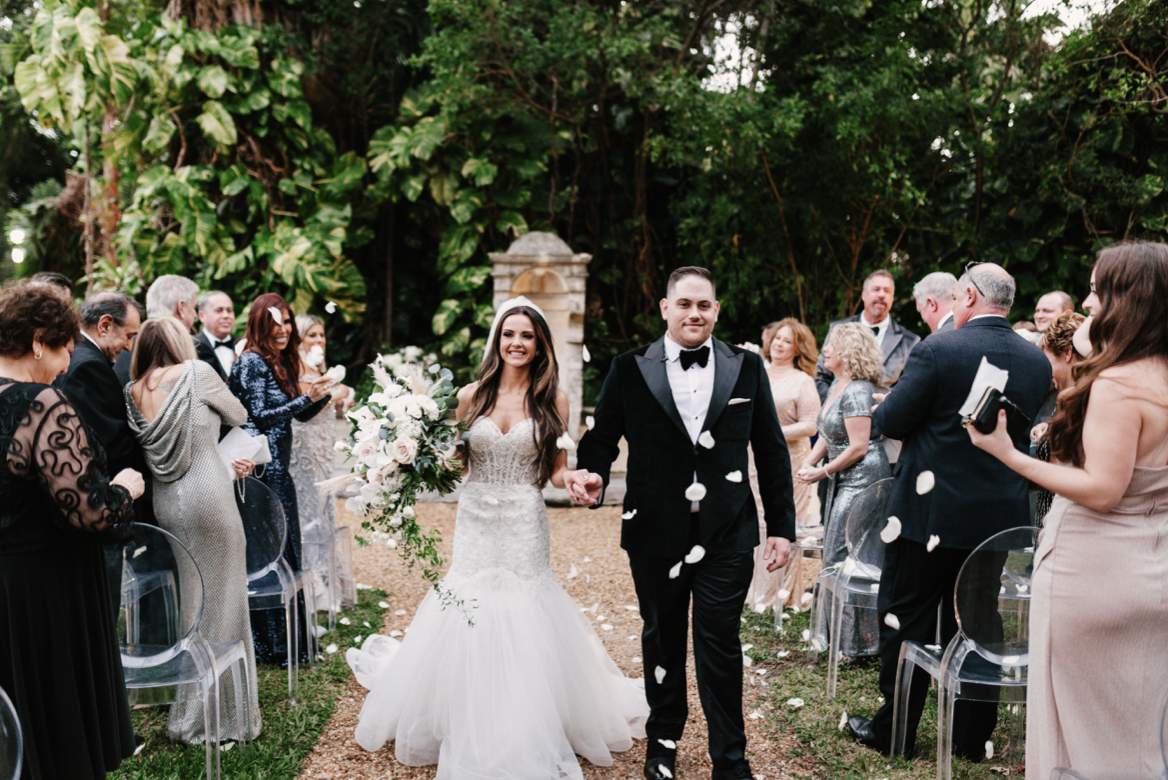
(588, 540)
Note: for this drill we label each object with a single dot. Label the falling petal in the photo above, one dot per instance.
(587, 559)
(636, 659)
(400, 612)
(989, 748)
(760, 671)
(602, 618)
(925, 482)
(747, 647)
(383, 604)
(1002, 591)
(756, 715)
(934, 648)
(572, 573)
(675, 571)
(747, 660)
(138, 749)
(783, 593)
(843, 720)
(357, 640)
(806, 634)
(706, 440)
(1010, 660)
(277, 315)
(669, 743)
(226, 746)
(934, 540)
(783, 653)
(1023, 588)
(695, 492)
(585, 355)
(565, 443)
(806, 598)
(331, 649)
(659, 673)
(331, 307)
(664, 770)
(875, 587)
(631, 608)
(891, 531)
(395, 634)
(594, 607)
(696, 554)
(629, 515)
(346, 621)
(796, 703)
(366, 622)
(892, 621)
(590, 421)
(606, 626)
(734, 476)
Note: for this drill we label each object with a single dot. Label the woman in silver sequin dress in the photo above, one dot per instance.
(848, 436)
(176, 406)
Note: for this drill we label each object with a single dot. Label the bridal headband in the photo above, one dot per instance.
(501, 314)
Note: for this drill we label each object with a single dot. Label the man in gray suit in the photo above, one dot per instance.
(934, 297)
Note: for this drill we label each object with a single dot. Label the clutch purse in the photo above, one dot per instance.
(264, 454)
(985, 415)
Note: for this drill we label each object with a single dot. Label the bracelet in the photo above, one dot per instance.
(826, 473)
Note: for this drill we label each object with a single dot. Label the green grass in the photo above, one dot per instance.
(288, 732)
(816, 725)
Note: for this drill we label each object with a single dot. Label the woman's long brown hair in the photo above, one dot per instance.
(1131, 280)
(261, 339)
(544, 376)
(806, 352)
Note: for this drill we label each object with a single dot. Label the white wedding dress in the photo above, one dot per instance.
(517, 695)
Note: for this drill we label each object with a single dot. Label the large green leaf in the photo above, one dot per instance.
(426, 136)
(213, 81)
(447, 313)
(217, 123)
(482, 171)
(466, 279)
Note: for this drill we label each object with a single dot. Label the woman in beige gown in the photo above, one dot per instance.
(1099, 610)
(788, 346)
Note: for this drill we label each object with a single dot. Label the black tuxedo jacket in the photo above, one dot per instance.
(975, 495)
(206, 353)
(898, 343)
(636, 402)
(96, 393)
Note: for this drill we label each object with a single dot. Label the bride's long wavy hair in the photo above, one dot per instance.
(544, 384)
(1131, 280)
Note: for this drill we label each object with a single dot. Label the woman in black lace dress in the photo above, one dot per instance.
(59, 658)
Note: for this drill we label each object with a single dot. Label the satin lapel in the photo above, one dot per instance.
(652, 365)
(892, 339)
(727, 366)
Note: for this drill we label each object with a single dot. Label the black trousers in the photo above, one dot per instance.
(718, 584)
(914, 581)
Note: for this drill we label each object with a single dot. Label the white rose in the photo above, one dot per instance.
(366, 450)
(408, 513)
(395, 521)
(404, 450)
(413, 353)
(429, 408)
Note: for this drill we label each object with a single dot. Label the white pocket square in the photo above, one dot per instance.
(739, 401)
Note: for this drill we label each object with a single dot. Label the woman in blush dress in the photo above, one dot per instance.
(788, 346)
(313, 454)
(264, 379)
(529, 686)
(176, 406)
(1099, 615)
(59, 660)
(1057, 343)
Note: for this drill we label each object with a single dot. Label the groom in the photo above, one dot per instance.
(689, 405)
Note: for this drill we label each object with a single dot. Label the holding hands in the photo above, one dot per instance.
(809, 473)
(583, 486)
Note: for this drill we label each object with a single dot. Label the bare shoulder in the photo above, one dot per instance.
(1146, 379)
(561, 397)
(466, 392)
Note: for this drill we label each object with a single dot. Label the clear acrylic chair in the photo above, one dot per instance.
(807, 547)
(271, 583)
(852, 584)
(988, 657)
(11, 742)
(177, 664)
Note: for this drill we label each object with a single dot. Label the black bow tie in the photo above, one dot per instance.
(875, 330)
(227, 342)
(701, 356)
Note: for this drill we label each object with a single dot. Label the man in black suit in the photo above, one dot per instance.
(934, 299)
(975, 495)
(169, 296)
(688, 405)
(215, 345)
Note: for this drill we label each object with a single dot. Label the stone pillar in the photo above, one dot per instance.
(546, 270)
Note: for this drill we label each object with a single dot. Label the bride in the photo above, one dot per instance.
(528, 685)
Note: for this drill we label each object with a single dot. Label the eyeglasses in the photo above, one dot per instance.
(968, 268)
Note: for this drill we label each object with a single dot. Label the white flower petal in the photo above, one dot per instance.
(796, 703)
(875, 587)
(606, 626)
(277, 315)
(706, 440)
(632, 608)
(934, 648)
(934, 540)
(1010, 660)
(843, 720)
(806, 634)
(669, 743)
(383, 604)
(636, 659)
(366, 622)
(399, 612)
(783, 593)
(664, 770)
(734, 476)
(1023, 588)
(806, 597)
(760, 671)
(572, 573)
(989, 748)
(892, 621)
(891, 532)
(587, 559)
(139, 551)
(585, 355)
(659, 673)
(590, 421)
(925, 482)
(747, 647)
(331, 649)
(138, 749)
(675, 571)
(756, 715)
(226, 746)
(696, 554)
(331, 307)
(357, 640)
(783, 653)
(395, 634)
(747, 660)
(695, 492)
(565, 443)
(629, 515)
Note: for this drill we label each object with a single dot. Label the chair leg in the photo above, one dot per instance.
(904, 674)
(211, 734)
(312, 643)
(833, 652)
(945, 705)
(290, 623)
(242, 710)
(334, 582)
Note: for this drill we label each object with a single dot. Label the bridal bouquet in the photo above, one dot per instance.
(403, 443)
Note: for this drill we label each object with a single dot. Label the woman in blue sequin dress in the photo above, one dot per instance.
(264, 379)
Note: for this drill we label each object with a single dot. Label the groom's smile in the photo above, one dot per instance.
(690, 311)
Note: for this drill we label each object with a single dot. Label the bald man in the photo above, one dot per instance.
(1049, 307)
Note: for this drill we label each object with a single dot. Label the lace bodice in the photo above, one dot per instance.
(499, 458)
(53, 475)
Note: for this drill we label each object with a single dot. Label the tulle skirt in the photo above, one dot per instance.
(514, 697)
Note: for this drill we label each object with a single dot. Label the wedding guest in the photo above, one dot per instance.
(311, 461)
(264, 378)
(934, 299)
(176, 405)
(59, 660)
(946, 489)
(1099, 619)
(168, 296)
(850, 444)
(1058, 346)
(1049, 307)
(788, 347)
(54, 278)
(215, 345)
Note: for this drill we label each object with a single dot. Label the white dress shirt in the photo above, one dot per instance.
(881, 327)
(692, 390)
(225, 353)
(93, 341)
